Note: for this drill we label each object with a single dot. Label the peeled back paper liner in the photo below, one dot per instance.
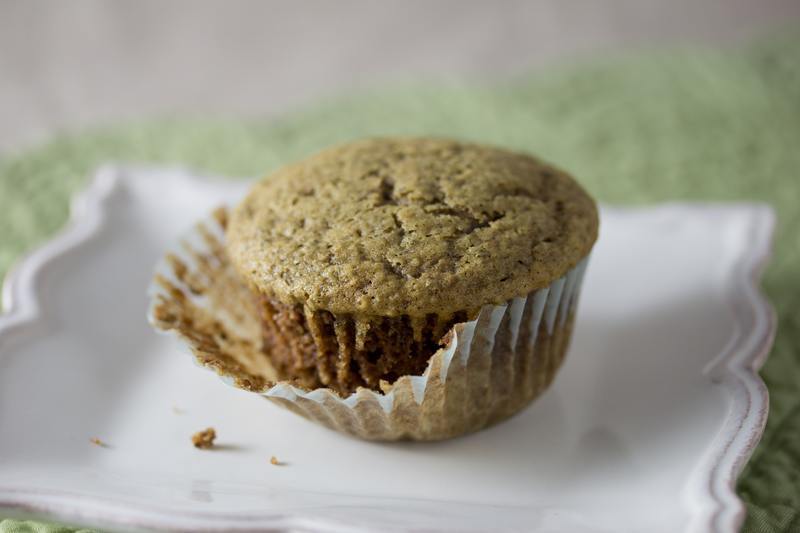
(489, 367)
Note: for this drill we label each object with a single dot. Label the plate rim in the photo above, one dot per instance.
(735, 369)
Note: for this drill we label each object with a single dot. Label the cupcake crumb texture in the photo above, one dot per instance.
(414, 227)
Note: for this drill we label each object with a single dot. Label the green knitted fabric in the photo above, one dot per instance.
(687, 124)
(30, 526)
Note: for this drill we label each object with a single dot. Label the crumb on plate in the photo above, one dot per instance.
(98, 442)
(204, 439)
(274, 460)
(177, 410)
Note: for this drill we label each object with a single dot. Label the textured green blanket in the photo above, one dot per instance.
(691, 124)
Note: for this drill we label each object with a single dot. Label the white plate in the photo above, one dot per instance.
(645, 429)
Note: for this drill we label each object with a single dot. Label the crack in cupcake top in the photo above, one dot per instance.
(410, 227)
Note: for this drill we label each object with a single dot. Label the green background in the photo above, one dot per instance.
(693, 124)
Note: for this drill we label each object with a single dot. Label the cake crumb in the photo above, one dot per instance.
(178, 411)
(204, 439)
(274, 460)
(98, 442)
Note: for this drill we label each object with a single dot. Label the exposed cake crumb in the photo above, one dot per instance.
(274, 460)
(204, 439)
(98, 442)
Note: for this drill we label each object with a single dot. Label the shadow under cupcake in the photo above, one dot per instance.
(388, 288)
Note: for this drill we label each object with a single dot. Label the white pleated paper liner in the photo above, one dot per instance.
(492, 366)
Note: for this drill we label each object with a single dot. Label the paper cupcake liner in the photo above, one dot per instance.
(490, 368)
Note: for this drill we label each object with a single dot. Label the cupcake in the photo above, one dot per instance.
(390, 288)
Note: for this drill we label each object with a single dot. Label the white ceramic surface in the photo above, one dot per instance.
(652, 417)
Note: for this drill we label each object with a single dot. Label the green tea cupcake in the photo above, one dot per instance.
(363, 257)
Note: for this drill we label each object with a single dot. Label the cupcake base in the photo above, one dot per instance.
(342, 352)
(462, 399)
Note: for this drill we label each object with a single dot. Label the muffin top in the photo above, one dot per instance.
(410, 227)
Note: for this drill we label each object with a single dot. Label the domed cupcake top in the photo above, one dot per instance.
(411, 226)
